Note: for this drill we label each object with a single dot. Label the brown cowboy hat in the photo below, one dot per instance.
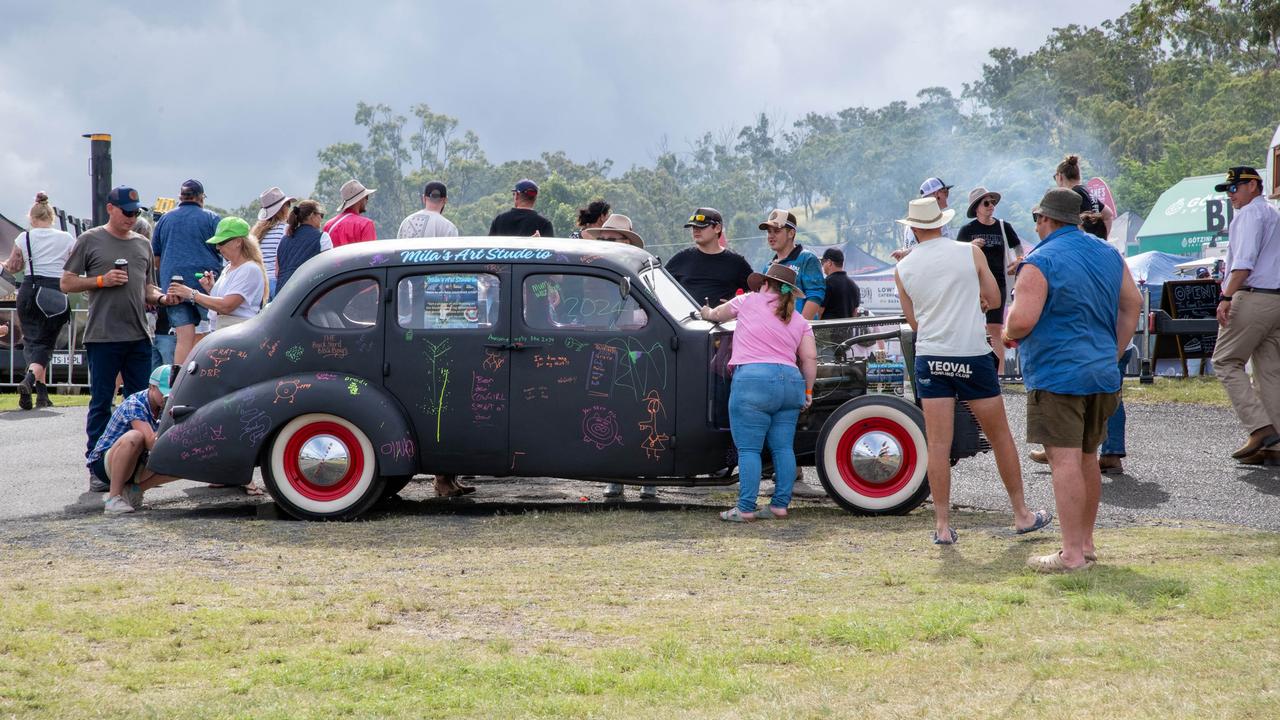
(620, 224)
(784, 274)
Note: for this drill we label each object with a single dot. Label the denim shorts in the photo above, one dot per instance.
(186, 313)
(962, 378)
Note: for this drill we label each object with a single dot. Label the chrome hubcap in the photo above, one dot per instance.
(877, 457)
(324, 460)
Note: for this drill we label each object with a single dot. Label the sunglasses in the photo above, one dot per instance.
(700, 218)
(130, 213)
(1036, 216)
(988, 203)
(1233, 187)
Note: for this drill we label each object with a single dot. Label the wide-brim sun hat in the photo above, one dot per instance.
(352, 192)
(229, 228)
(1061, 204)
(620, 224)
(271, 201)
(975, 197)
(781, 272)
(924, 214)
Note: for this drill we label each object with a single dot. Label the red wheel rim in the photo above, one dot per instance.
(859, 484)
(323, 493)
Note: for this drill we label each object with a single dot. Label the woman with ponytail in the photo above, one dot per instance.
(270, 228)
(1095, 218)
(40, 253)
(303, 240)
(774, 361)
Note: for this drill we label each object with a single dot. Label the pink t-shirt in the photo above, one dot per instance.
(350, 227)
(761, 337)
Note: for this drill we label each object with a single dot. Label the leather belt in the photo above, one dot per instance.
(1269, 291)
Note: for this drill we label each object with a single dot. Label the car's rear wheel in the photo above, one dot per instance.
(322, 467)
(872, 456)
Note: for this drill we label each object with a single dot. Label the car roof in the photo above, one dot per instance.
(617, 256)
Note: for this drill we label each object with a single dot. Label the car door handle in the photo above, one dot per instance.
(523, 346)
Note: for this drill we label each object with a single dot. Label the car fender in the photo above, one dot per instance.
(222, 441)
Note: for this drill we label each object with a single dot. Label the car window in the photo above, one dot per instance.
(579, 302)
(353, 305)
(669, 292)
(449, 300)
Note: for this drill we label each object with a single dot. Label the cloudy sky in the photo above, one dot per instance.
(241, 94)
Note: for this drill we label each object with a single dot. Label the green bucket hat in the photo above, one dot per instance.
(160, 378)
(229, 228)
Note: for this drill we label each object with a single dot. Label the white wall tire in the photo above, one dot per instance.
(872, 456)
(322, 467)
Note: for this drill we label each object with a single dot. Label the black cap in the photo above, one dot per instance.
(702, 217)
(527, 187)
(835, 255)
(435, 190)
(1239, 174)
(191, 188)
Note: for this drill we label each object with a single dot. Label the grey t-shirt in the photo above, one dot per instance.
(116, 314)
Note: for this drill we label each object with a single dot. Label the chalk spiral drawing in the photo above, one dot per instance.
(600, 427)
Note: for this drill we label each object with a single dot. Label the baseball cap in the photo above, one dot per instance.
(779, 219)
(702, 217)
(435, 190)
(1238, 174)
(835, 255)
(123, 197)
(160, 377)
(527, 187)
(191, 187)
(229, 228)
(933, 185)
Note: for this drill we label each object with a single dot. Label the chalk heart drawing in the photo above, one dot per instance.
(600, 427)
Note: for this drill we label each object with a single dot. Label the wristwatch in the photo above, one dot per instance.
(1224, 298)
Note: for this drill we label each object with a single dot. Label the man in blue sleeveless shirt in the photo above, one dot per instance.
(1075, 309)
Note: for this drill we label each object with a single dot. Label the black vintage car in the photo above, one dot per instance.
(509, 357)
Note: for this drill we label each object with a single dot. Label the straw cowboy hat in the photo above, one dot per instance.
(352, 192)
(784, 274)
(925, 214)
(620, 224)
(975, 197)
(271, 201)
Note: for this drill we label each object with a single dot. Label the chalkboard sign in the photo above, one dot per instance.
(1191, 299)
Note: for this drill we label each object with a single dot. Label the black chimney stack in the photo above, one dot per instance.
(100, 172)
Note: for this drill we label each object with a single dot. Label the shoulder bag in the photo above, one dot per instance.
(51, 302)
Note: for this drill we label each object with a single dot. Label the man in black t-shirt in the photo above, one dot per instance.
(1002, 248)
(522, 220)
(843, 296)
(712, 274)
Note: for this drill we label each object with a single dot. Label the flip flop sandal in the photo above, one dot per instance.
(952, 539)
(1053, 564)
(735, 515)
(1043, 518)
(767, 513)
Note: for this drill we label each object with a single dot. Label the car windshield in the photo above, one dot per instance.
(670, 295)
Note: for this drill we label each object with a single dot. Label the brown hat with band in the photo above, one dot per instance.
(620, 224)
(781, 272)
(1061, 204)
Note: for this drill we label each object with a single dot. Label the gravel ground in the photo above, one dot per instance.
(1178, 470)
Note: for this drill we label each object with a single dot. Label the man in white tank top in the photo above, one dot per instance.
(945, 287)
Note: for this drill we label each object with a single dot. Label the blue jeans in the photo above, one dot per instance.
(132, 360)
(1113, 444)
(764, 405)
(162, 349)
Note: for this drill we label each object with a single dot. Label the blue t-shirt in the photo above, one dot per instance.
(134, 407)
(1072, 348)
(180, 241)
(808, 275)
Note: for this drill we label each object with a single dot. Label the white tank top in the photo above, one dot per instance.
(940, 277)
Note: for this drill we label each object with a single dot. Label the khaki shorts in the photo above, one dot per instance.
(1069, 421)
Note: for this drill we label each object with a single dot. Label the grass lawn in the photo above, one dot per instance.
(9, 400)
(629, 614)
(1194, 390)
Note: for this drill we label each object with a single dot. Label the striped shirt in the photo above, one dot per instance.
(270, 242)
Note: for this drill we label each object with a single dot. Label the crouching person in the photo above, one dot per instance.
(120, 457)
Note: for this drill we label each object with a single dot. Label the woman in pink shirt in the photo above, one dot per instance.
(774, 363)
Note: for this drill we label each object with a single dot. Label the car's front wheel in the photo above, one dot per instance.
(322, 467)
(872, 456)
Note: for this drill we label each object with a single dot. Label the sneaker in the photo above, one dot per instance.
(613, 490)
(649, 492)
(1039, 456)
(97, 485)
(133, 495)
(116, 505)
(25, 388)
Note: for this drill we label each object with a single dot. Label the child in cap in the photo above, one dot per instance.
(120, 457)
